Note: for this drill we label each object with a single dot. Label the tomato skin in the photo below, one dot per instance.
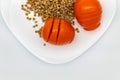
(47, 28)
(54, 32)
(66, 33)
(58, 31)
(88, 13)
(92, 27)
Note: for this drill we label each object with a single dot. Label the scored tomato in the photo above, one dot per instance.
(88, 13)
(58, 31)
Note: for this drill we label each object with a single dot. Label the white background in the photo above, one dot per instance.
(100, 62)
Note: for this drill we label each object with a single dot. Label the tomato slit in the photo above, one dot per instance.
(58, 30)
(51, 30)
(99, 12)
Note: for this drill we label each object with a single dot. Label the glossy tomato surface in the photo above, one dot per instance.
(88, 13)
(58, 31)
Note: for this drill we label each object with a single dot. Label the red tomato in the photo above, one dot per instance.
(88, 13)
(58, 31)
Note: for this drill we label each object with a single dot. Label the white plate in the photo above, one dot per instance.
(23, 31)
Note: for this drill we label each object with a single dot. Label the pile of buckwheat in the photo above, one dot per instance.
(50, 9)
